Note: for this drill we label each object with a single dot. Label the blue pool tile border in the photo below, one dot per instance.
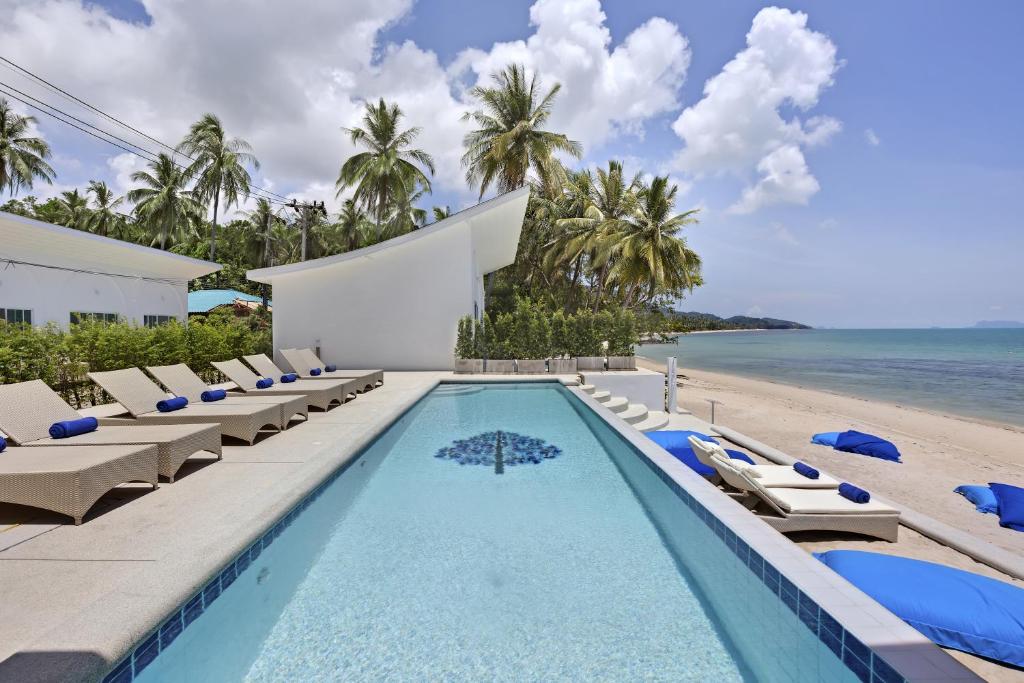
(863, 662)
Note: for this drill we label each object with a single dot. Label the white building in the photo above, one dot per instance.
(49, 273)
(396, 305)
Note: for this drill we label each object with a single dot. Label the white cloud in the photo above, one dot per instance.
(738, 126)
(829, 224)
(783, 234)
(754, 311)
(289, 83)
(872, 138)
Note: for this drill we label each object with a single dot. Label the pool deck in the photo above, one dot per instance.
(76, 599)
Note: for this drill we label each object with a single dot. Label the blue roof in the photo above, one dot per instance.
(205, 300)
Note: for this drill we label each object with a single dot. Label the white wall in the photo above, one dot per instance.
(53, 294)
(397, 309)
(639, 386)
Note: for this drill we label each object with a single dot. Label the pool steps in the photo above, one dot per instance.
(635, 414)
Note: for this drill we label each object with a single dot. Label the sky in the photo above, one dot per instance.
(856, 164)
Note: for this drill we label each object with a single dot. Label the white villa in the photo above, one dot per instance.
(49, 273)
(395, 305)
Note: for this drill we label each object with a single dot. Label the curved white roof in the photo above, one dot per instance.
(29, 241)
(496, 225)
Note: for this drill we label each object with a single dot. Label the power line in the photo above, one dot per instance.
(163, 280)
(68, 95)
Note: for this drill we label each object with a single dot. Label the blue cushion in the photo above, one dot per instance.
(1011, 506)
(264, 383)
(982, 497)
(289, 378)
(169, 405)
(854, 493)
(314, 371)
(3, 444)
(738, 455)
(676, 438)
(330, 368)
(689, 458)
(62, 430)
(867, 444)
(954, 608)
(211, 395)
(825, 438)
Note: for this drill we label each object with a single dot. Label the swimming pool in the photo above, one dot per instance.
(500, 532)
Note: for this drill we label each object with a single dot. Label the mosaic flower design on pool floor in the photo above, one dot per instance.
(499, 449)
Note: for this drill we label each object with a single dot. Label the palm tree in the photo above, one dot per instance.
(441, 212)
(653, 257)
(218, 167)
(406, 216)
(510, 139)
(104, 218)
(384, 174)
(164, 204)
(73, 210)
(22, 158)
(353, 224)
(259, 224)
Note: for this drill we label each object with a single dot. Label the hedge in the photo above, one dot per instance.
(62, 358)
(531, 332)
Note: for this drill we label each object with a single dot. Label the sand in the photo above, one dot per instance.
(939, 451)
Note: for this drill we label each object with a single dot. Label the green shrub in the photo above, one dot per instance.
(464, 345)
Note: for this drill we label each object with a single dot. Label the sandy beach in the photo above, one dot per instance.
(939, 451)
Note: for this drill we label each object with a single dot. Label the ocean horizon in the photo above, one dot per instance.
(971, 372)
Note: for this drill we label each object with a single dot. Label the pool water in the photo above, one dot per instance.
(425, 560)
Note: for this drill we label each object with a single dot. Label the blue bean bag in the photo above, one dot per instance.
(676, 442)
(954, 608)
(825, 438)
(677, 438)
(867, 444)
(982, 497)
(1011, 506)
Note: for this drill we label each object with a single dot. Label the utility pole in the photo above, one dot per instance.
(266, 254)
(306, 209)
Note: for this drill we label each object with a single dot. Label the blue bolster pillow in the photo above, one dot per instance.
(1011, 505)
(982, 497)
(264, 383)
(806, 470)
(169, 405)
(314, 371)
(330, 368)
(289, 378)
(211, 395)
(3, 444)
(951, 607)
(825, 438)
(62, 430)
(854, 493)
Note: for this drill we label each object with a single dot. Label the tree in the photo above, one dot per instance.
(73, 209)
(104, 218)
(164, 206)
(22, 157)
(218, 167)
(510, 139)
(653, 258)
(387, 173)
(355, 228)
(441, 212)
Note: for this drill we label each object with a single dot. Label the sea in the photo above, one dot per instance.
(977, 373)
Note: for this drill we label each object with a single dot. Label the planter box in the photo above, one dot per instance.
(562, 366)
(590, 363)
(500, 367)
(622, 362)
(532, 367)
(469, 366)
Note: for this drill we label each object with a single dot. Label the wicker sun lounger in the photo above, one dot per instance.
(181, 381)
(317, 395)
(768, 476)
(266, 368)
(71, 480)
(791, 509)
(304, 360)
(28, 409)
(139, 395)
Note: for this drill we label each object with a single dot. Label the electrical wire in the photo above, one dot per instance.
(161, 280)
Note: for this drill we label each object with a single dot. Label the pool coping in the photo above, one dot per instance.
(159, 616)
(913, 656)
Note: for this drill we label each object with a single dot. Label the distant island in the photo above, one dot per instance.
(668, 320)
(999, 324)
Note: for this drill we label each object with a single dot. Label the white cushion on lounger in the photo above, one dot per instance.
(818, 501)
(780, 476)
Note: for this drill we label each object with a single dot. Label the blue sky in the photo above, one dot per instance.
(899, 202)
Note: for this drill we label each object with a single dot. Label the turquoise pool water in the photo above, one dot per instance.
(576, 562)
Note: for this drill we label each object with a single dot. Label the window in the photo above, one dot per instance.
(16, 315)
(81, 317)
(155, 320)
